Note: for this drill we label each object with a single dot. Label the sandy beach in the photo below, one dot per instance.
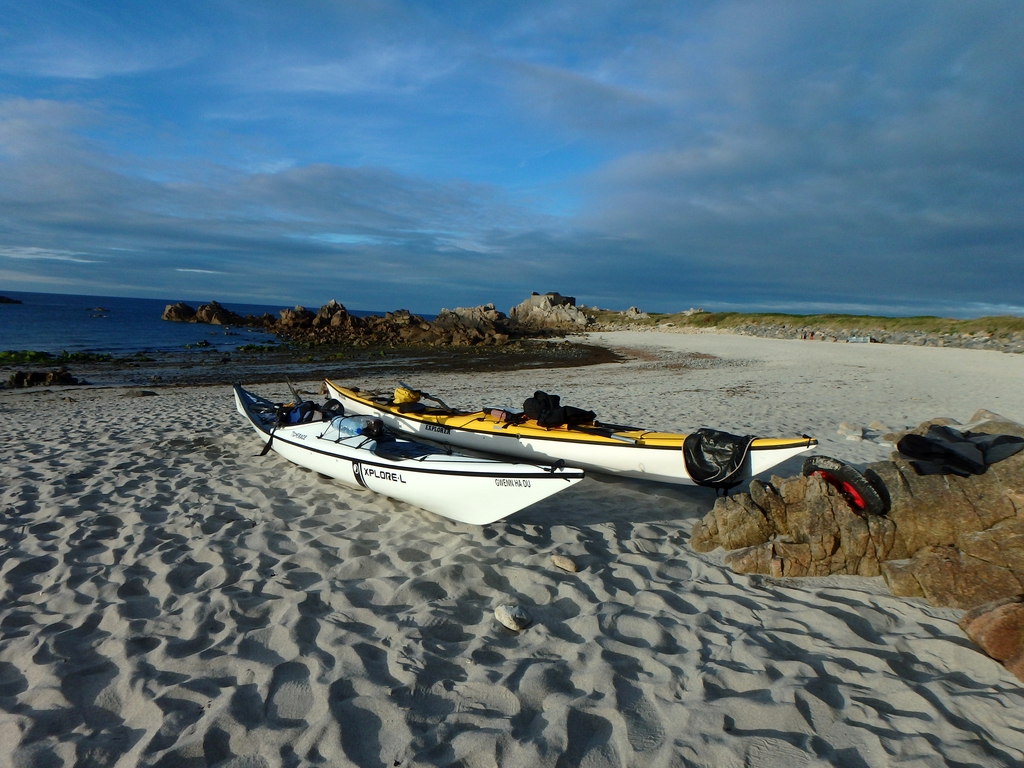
(170, 598)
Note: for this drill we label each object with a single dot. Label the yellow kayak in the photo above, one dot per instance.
(668, 457)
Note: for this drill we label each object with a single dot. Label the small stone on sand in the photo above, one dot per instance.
(565, 563)
(850, 432)
(512, 616)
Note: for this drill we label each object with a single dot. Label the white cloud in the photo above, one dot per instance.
(43, 254)
(79, 60)
(364, 68)
(77, 41)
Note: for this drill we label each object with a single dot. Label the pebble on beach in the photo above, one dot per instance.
(850, 432)
(565, 563)
(512, 616)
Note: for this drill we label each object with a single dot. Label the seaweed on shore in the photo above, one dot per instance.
(31, 357)
(262, 348)
(275, 363)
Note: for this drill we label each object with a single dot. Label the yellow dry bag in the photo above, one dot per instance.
(406, 395)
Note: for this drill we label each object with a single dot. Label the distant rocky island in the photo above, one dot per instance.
(6, 300)
(538, 316)
(552, 314)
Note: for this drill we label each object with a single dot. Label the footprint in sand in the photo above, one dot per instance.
(774, 753)
(291, 696)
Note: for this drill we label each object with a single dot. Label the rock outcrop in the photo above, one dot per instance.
(998, 629)
(8, 300)
(212, 313)
(549, 311)
(484, 316)
(333, 324)
(179, 313)
(940, 530)
(300, 317)
(955, 541)
(799, 526)
(474, 325)
(59, 376)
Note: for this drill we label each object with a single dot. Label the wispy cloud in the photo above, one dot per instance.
(82, 42)
(87, 60)
(42, 254)
(393, 69)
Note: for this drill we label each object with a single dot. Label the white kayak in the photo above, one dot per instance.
(619, 450)
(462, 488)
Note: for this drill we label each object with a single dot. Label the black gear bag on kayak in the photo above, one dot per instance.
(549, 412)
(716, 459)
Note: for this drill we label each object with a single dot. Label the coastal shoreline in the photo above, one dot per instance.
(572, 349)
(172, 596)
(996, 341)
(211, 367)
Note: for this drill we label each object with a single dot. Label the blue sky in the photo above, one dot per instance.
(795, 156)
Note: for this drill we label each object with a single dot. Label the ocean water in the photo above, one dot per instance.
(52, 322)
